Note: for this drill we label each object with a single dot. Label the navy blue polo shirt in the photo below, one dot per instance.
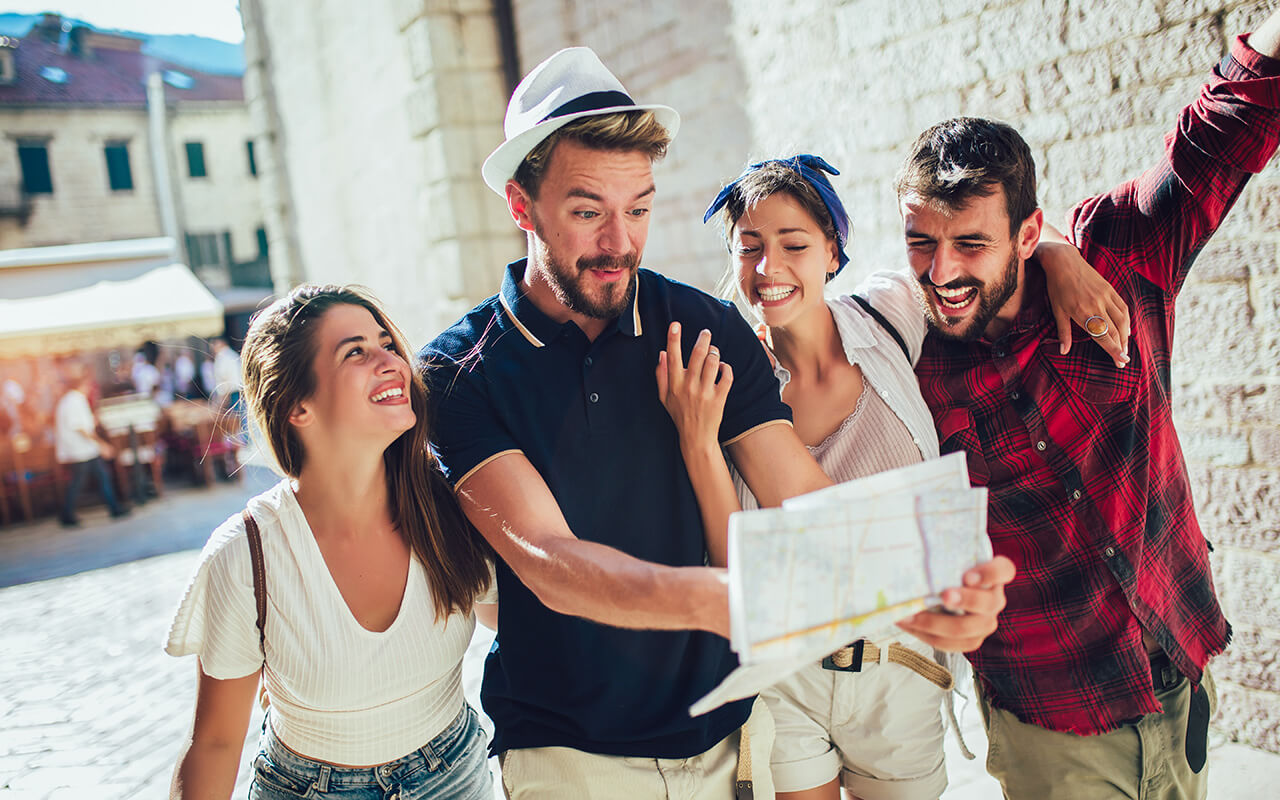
(507, 378)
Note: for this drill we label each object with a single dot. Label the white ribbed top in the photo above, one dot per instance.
(339, 692)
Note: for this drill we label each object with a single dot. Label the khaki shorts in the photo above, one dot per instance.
(1146, 759)
(880, 730)
(561, 772)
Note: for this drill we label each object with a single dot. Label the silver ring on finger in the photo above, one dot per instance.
(1096, 326)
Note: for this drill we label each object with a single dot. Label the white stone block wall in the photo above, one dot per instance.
(382, 113)
(1093, 86)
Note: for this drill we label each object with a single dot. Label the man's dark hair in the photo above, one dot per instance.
(967, 157)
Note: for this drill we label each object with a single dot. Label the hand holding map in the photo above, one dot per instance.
(845, 563)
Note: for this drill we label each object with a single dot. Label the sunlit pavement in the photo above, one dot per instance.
(90, 707)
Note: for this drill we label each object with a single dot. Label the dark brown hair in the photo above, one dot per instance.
(967, 157)
(625, 130)
(278, 374)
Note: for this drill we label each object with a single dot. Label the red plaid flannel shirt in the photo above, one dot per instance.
(1089, 494)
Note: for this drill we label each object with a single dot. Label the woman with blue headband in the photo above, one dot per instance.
(847, 374)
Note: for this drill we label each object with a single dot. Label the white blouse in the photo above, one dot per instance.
(339, 692)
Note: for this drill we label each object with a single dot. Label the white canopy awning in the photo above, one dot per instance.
(147, 301)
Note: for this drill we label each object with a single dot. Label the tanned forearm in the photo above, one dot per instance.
(511, 506)
(601, 583)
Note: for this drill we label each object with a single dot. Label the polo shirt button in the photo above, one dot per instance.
(588, 361)
(593, 397)
(1041, 446)
(1110, 552)
(1075, 495)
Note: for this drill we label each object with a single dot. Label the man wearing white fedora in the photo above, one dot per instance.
(551, 431)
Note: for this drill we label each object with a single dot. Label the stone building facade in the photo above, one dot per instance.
(380, 115)
(94, 150)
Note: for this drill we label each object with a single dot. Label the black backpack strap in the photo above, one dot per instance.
(259, 576)
(884, 323)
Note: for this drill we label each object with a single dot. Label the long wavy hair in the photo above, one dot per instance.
(278, 374)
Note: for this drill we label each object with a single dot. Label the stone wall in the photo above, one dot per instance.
(376, 117)
(1093, 86)
(82, 207)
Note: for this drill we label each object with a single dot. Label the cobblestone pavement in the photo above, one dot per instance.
(92, 708)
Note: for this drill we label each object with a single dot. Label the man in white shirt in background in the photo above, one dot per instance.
(226, 373)
(79, 448)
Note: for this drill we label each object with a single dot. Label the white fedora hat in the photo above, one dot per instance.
(572, 83)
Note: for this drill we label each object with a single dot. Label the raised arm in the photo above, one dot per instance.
(1220, 140)
(695, 398)
(512, 507)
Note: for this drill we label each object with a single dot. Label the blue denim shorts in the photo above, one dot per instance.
(452, 766)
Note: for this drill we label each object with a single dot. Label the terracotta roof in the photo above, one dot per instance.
(108, 76)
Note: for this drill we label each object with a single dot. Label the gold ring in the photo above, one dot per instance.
(1096, 326)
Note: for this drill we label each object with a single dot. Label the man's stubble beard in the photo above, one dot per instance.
(990, 300)
(566, 282)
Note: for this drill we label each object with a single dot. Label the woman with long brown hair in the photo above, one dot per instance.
(370, 573)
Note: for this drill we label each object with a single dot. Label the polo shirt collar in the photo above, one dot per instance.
(536, 326)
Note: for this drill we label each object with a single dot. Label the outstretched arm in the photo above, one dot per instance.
(512, 507)
(694, 396)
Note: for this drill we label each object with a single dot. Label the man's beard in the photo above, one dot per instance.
(990, 300)
(567, 282)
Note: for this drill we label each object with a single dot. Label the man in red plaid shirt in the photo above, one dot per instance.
(1094, 684)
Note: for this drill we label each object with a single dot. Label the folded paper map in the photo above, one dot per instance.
(845, 563)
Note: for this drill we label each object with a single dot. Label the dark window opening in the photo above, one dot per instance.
(262, 243)
(202, 250)
(34, 160)
(195, 160)
(253, 162)
(119, 176)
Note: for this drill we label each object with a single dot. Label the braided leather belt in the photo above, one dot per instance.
(851, 659)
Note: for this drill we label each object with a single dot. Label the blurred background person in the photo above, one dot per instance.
(79, 447)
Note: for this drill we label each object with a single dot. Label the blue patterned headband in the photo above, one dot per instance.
(810, 168)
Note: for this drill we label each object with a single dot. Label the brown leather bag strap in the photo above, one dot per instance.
(259, 576)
